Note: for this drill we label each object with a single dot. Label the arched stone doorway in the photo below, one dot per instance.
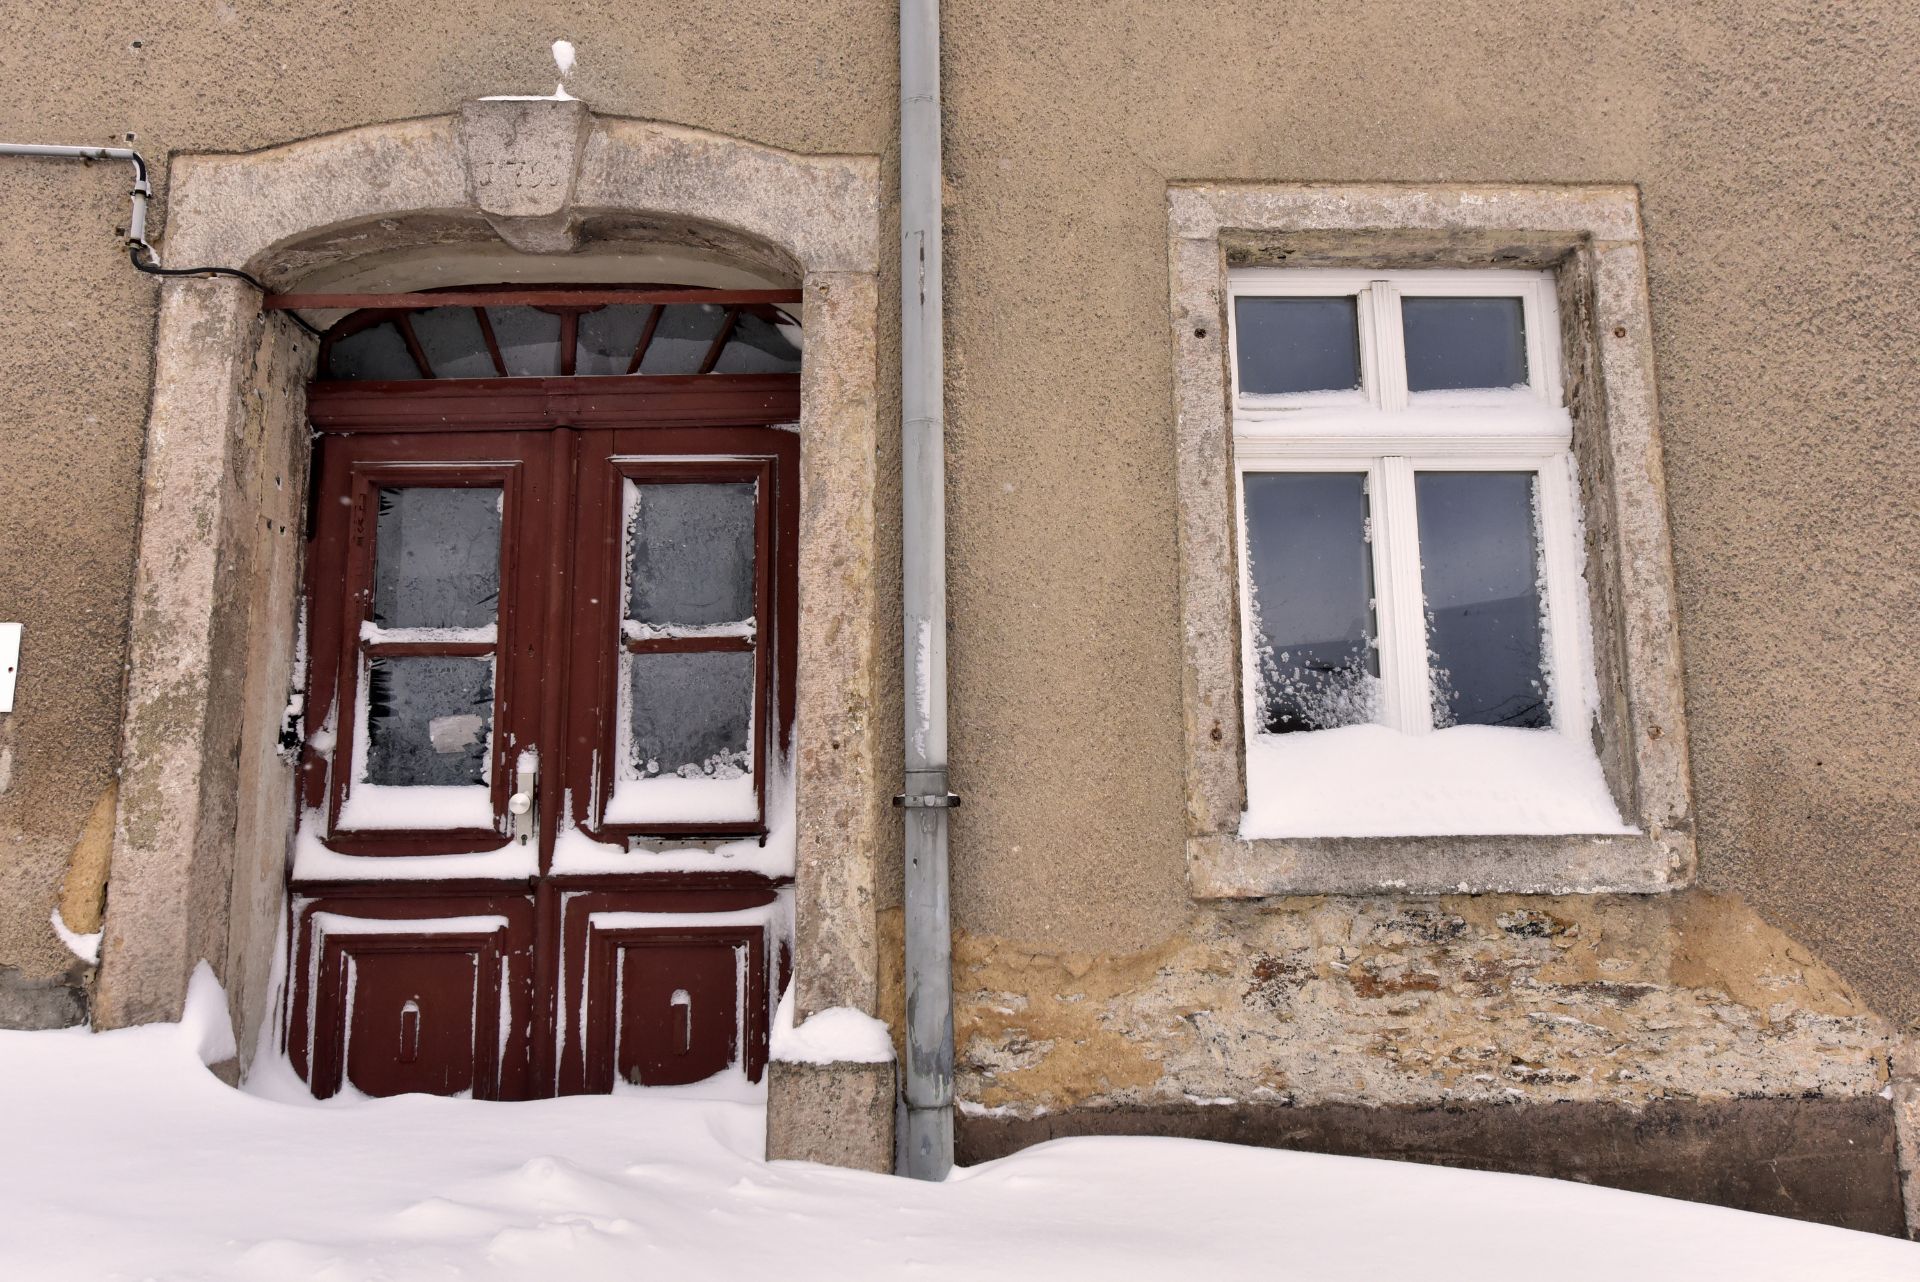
(204, 823)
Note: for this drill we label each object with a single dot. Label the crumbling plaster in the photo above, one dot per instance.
(1451, 1001)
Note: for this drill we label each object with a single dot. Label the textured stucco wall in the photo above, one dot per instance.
(1773, 146)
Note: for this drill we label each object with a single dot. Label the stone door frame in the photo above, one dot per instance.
(205, 809)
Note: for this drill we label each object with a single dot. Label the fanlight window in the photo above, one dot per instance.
(521, 341)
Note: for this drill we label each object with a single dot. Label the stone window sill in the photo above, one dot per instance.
(1228, 867)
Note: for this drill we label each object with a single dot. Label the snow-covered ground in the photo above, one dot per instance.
(121, 1157)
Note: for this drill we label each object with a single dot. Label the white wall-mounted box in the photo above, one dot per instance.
(9, 662)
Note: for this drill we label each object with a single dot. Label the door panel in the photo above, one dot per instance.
(395, 993)
(509, 615)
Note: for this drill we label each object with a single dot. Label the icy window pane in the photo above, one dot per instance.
(690, 552)
(437, 557)
(451, 338)
(691, 715)
(1478, 560)
(1311, 576)
(608, 337)
(1464, 342)
(529, 341)
(758, 346)
(429, 720)
(1297, 344)
(377, 352)
(680, 344)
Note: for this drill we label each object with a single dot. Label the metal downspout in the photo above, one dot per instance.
(926, 1142)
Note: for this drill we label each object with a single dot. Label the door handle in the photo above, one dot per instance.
(524, 804)
(682, 1002)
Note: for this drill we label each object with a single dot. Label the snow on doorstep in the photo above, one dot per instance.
(136, 1162)
(840, 1035)
(1371, 781)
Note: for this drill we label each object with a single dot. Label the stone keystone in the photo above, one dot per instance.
(522, 156)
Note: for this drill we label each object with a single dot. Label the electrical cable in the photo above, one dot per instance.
(154, 269)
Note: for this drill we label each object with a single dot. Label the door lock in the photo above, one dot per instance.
(523, 805)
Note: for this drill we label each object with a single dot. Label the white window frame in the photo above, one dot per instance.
(1389, 435)
(1591, 239)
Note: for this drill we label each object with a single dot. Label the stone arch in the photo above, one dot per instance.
(201, 832)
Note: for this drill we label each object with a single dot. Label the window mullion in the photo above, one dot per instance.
(1388, 345)
(1401, 601)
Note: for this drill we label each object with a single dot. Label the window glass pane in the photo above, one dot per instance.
(690, 715)
(759, 346)
(1478, 560)
(455, 347)
(529, 341)
(377, 352)
(1464, 342)
(690, 550)
(429, 720)
(1311, 578)
(437, 557)
(1297, 344)
(608, 337)
(681, 342)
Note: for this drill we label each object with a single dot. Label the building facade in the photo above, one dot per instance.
(1429, 558)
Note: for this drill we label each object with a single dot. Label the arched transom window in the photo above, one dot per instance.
(548, 339)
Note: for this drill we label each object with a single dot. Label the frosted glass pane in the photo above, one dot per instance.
(1311, 576)
(690, 552)
(1479, 565)
(429, 720)
(758, 346)
(1297, 344)
(529, 341)
(690, 715)
(1464, 342)
(608, 337)
(680, 344)
(455, 347)
(377, 352)
(437, 557)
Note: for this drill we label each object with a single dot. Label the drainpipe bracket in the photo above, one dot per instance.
(927, 801)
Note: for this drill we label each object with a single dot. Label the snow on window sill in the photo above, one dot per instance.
(1372, 781)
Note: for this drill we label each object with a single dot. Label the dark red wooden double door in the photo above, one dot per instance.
(544, 842)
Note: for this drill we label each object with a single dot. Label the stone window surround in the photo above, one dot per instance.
(1591, 238)
(205, 803)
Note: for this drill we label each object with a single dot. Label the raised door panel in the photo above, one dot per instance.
(399, 995)
(677, 1016)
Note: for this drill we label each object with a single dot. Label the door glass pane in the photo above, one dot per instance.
(437, 557)
(759, 346)
(529, 341)
(1479, 562)
(681, 342)
(690, 552)
(377, 352)
(1464, 342)
(690, 715)
(608, 337)
(1297, 344)
(451, 338)
(1311, 591)
(429, 720)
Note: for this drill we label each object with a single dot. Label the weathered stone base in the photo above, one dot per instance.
(836, 1114)
(60, 1002)
(1826, 1160)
